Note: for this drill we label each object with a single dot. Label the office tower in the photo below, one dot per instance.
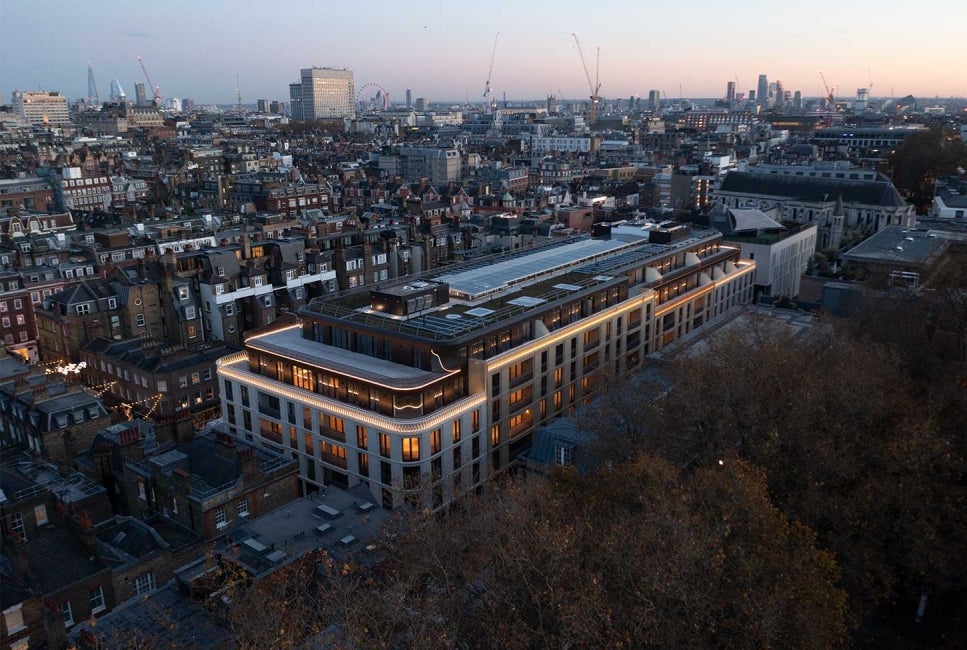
(409, 98)
(262, 106)
(797, 99)
(295, 101)
(762, 92)
(751, 95)
(41, 107)
(422, 104)
(92, 96)
(323, 93)
(730, 91)
(779, 93)
(654, 99)
(140, 97)
(276, 107)
(117, 93)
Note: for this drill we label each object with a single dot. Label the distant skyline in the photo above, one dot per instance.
(193, 49)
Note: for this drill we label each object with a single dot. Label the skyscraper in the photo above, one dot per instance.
(730, 91)
(92, 96)
(140, 97)
(323, 93)
(762, 92)
(117, 92)
(409, 98)
(654, 99)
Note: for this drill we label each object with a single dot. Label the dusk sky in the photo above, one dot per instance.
(442, 50)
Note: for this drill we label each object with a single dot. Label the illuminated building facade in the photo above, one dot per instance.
(421, 390)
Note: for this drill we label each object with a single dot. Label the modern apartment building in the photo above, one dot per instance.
(323, 93)
(49, 108)
(420, 389)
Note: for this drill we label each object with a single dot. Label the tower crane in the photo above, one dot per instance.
(869, 75)
(155, 90)
(593, 87)
(830, 99)
(490, 72)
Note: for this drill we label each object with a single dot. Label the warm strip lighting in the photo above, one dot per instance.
(532, 348)
(306, 398)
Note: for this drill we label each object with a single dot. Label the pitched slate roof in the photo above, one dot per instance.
(806, 188)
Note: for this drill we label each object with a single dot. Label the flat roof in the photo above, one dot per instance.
(518, 282)
(289, 343)
(898, 245)
(478, 283)
(297, 527)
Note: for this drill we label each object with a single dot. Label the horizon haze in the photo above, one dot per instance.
(194, 50)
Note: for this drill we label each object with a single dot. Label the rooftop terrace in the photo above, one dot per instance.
(484, 293)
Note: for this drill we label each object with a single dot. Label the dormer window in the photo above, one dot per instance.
(83, 309)
(190, 313)
(258, 280)
(219, 289)
(112, 303)
(182, 293)
(289, 274)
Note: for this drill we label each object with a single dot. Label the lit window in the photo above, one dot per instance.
(411, 449)
(40, 514)
(14, 619)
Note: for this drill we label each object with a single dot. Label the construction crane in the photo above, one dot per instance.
(238, 92)
(593, 87)
(155, 90)
(830, 99)
(490, 72)
(869, 75)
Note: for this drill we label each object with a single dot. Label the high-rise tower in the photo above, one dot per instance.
(117, 93)
(140, 96)
(92, 96)
(762, 92)
(323, 93)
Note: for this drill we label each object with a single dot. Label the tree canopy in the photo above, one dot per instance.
(921, 159)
